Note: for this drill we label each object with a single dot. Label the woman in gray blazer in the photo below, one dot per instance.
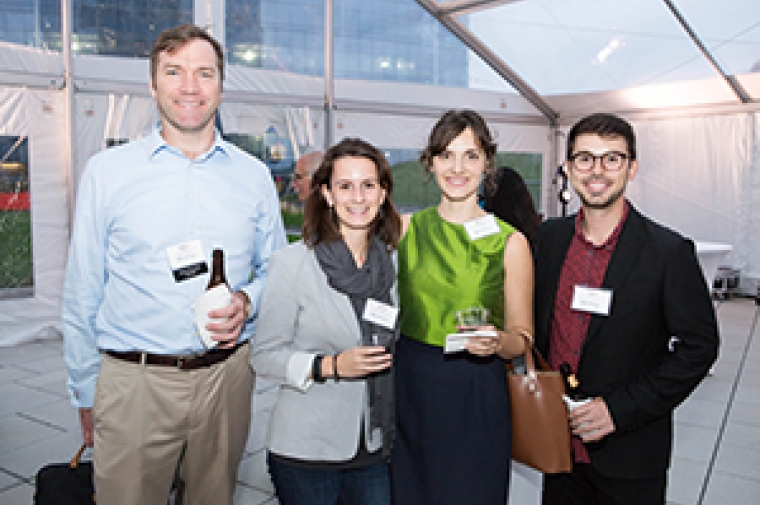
(326, 330)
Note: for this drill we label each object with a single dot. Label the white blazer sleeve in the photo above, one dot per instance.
(273, 352)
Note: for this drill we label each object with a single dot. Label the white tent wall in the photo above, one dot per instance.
(100, 117)
(253, 119)
(39, 114)
(698, 175)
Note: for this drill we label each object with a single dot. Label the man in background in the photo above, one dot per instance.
(303, 171)
(152, 398)
(612, 288)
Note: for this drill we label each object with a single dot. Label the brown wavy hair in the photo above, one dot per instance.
(172, 40)
(449, 127)
(320, 222)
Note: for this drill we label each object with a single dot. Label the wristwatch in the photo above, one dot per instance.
(248, 304)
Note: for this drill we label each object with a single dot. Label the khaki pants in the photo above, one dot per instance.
(152, 420)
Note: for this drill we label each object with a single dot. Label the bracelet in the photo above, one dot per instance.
(316, 369)
(335, 367)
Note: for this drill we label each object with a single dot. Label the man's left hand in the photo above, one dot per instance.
(592, 421)
(233, 316)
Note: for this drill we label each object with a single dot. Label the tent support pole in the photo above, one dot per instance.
(69, 106)
(329, 102)
(737, 88)
(491, 59)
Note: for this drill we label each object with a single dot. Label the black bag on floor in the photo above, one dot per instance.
(65, 483)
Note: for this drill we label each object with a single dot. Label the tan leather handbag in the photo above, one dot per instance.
(540, 430)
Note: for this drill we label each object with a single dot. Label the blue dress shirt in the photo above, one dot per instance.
(135, 201)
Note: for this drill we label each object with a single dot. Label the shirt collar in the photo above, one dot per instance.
(612, 239)
(157, 144)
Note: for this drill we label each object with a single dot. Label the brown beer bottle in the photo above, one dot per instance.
(572, 384)
(217, 270)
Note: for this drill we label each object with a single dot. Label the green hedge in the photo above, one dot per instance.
(16, 268)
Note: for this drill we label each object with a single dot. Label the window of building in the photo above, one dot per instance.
(16, 267)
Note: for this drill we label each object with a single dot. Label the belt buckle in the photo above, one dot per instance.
(181, 361)
(184, 361)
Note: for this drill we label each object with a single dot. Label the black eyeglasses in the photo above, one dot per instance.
(612, 161)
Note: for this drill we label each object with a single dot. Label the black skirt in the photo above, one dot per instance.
(453, 444)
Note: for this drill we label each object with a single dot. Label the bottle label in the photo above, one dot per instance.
(187, 260)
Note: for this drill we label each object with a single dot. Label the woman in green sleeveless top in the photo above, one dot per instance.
(453, 442)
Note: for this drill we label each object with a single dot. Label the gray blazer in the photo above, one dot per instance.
(300, 316)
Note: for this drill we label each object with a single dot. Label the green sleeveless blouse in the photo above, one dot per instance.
(440, 270)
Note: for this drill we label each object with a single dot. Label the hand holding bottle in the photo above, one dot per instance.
(227, 322)
(219, 313)
(589, 417)
(591, 420)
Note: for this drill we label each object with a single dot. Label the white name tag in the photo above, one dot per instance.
(456, 342)
(593, 300)
(187, 260)
(481, 227)
(380, 313)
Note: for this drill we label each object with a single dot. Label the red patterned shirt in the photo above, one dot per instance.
(585, 265)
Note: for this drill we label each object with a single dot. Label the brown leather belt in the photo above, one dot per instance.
(188, 362)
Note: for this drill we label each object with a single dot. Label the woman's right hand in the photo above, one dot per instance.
(361, 361)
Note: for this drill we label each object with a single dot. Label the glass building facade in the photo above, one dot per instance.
(381, 40)
(107, 27)
(377, 40)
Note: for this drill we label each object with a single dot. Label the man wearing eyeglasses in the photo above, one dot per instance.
(612, 288)
(305, 168)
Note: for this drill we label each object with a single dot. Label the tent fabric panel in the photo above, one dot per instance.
(39, 114)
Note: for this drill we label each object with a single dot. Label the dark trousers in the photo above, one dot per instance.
(316, 486)
(586, 486)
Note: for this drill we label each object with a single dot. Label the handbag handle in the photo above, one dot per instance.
(77, 457)
(530, 364)
(530, 351)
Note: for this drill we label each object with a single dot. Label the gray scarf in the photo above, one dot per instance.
(373, 280)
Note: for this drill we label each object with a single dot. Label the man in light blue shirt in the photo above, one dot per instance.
(152, 397)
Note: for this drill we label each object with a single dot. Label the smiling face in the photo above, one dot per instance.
(187, 89)
(459, 169)
(355, 193)
(599, 188)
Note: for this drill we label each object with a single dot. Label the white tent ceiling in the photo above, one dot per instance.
(545, 48)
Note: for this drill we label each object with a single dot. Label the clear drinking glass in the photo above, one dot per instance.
(470, 318)
(383, 340)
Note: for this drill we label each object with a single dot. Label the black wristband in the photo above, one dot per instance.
(335, 367)
(316, 369)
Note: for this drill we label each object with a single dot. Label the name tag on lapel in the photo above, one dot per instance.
(380, 313)
(593, 300)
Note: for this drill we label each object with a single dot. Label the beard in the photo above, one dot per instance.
(607, 202)
(604, 204)
(202, 124)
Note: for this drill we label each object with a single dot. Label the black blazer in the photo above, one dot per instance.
(659, 291)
